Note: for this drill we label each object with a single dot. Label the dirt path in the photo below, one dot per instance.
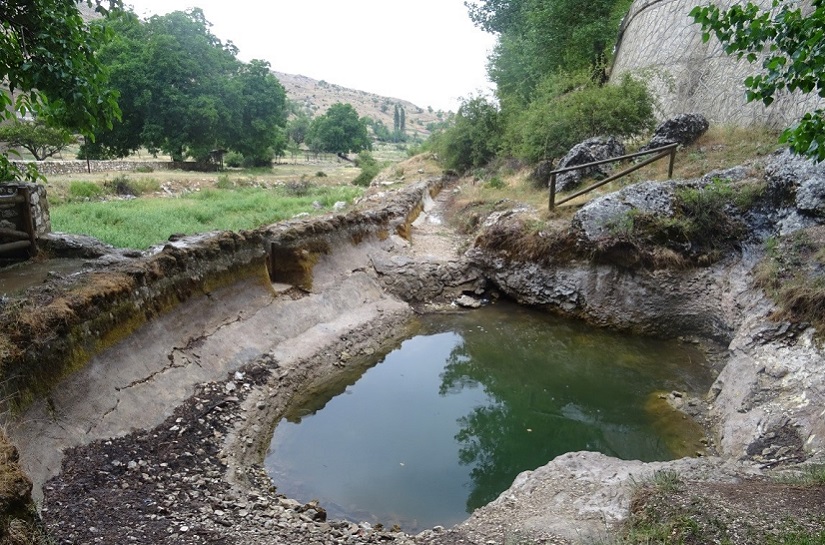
(432, 238)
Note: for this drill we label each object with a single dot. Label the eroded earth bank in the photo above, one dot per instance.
(151, 383)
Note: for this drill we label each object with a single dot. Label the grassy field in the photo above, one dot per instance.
(142, 222)
(141, 209)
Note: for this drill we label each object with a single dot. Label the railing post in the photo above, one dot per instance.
(672, 160)
(552, 191)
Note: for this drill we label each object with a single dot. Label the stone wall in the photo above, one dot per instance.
(81, 167)
(660, 43)
(39, 208)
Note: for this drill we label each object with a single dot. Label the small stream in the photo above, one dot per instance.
(445, 422)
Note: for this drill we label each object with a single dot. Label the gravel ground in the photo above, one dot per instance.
(168, 485)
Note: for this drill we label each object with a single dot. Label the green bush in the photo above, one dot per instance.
(474, 139)
(569, 109)
(369, 169)
(144, 169)
(123, 185)
(84, 190)
(233, 159)
(495, 183)
(224, 182)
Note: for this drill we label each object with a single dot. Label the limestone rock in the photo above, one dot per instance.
(602, 215)
(683, 129)
(593, 149)
(468, 301)
(541, 174)
(810, 197)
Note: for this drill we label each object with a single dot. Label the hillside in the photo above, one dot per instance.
(316, 96)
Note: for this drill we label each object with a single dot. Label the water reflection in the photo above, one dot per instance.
(448, 420)
(556, 388)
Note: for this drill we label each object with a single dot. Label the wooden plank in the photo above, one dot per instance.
(12, 246)
(614, 177)
(616, 159)
(13, 234)
(28, 220)
(11, 199)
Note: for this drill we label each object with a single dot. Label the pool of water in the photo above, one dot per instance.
(18, 277)
(443, 423)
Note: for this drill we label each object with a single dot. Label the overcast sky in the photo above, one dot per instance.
(424, 51)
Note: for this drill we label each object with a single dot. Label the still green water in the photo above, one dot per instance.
(447, 420)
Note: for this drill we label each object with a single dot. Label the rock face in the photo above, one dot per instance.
(768, 400)
(683, 129)
(593, 149)
(580, 496)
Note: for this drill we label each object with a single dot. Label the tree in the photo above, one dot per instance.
(184, 92)
(37, 137)
(789, 45)
(399, 124)
(475, 137)
(186, 68)
(339, 131)
(298, 127)
(49, 64)
(258, 108)
(124, 57)
(539, 37)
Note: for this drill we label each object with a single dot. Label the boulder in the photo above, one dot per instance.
(683, 129)
(603, 215)
(810, 197)
(541, 174)
(592, 149)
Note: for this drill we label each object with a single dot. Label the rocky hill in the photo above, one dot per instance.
(316, 96)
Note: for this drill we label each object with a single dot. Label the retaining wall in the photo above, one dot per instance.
(81, 167)
(660, 43)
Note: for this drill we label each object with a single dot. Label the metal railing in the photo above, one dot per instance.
(661, 153)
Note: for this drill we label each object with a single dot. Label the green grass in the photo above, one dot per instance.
(807, 475)
(141, 223)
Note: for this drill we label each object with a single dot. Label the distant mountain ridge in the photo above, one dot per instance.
(315, 96)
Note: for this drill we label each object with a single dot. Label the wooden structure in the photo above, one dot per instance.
(23, 237)
(661, 153)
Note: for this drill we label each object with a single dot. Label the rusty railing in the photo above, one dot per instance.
(661, 153)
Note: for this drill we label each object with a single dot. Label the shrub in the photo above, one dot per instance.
(496, 183)
(569, 109)
(475, 137)
(320, 174)
(369, 169)
(144, 169)
(233, 159)
(123, 185)
(224, 182)
(298, 188)
(84, 190)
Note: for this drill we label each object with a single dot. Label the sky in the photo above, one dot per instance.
(424, 51)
